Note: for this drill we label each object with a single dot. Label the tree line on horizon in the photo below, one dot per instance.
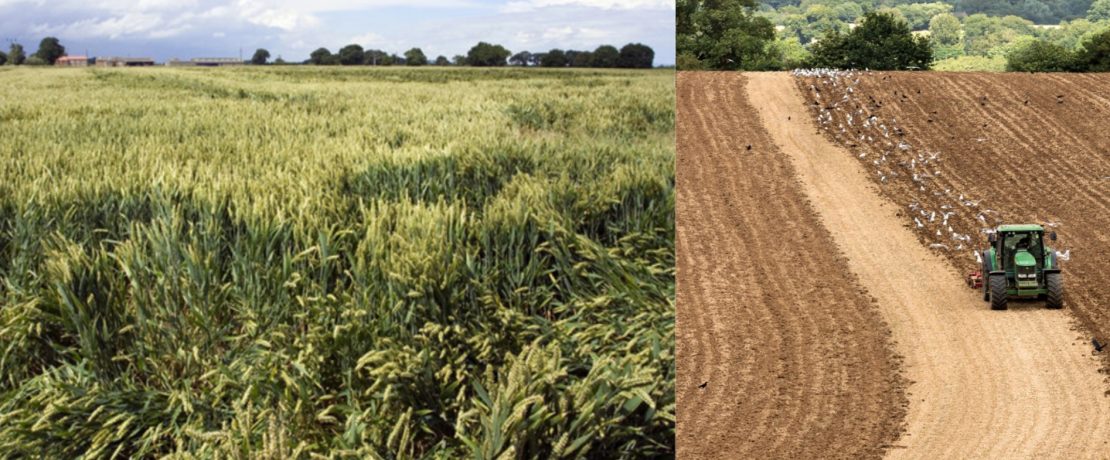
(631, 56)
(483, 54)
(883, 35)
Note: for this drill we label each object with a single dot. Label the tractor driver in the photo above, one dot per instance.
(1022, 243)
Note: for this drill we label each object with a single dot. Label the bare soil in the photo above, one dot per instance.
(780, 351)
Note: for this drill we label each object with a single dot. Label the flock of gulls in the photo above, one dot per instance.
(892, 158)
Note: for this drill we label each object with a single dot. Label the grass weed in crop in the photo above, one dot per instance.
(295, 262)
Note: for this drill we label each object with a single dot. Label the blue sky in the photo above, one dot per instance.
(165, 29)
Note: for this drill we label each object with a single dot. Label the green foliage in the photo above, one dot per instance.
(636, 56)
(1039, 11)
(1095, 55)
(415, 57)
(306, 262)
(606, 56)
(919, 15)
(486, 55)
(987, 36)
(35, 60)
(789, 52)
(1100, 10)
(3, 58)
(1041, 56)
(581, 58)
(722, 34)
(442, 61)
(322, 57)
(945, 30)
(261, 56)
(376, 57)
(50, 49)
(351, 55)
(16, 56)
(554, 58)
(971, 64)
(881, 42)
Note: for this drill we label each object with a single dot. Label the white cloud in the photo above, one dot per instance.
(519, 6)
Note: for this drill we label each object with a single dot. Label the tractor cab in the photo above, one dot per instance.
(1018, 264)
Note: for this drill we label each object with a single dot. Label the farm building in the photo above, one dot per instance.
(124, 62)
(73, 61)
(216, 62)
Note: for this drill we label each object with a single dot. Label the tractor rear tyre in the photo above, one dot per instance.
(985, 271)
(998, 292)
(1055, 297)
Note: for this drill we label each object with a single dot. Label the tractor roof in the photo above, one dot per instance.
(1020, 228)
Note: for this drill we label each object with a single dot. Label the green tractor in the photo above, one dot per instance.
(1019, 265)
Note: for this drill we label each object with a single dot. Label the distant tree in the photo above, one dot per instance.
(582, 59)
(636, 56)
(880, 42)
(351, 55)
(261, 56)
(987, 36)
(16, 56)
(1099, 11)
(320, 57)
(50, 49)
(1095, 56)
(1041, 56)
(442, 60)
(35, 60)
(376, 57)
(487, 55)
(605, 56)
(789, 52)
(723, 35)
(3, 58)
(918, 15)
(397, 60)
(536, 59)
(458, 59)
(554, 58)
(522, 59)
(415, 57)
(946, 35)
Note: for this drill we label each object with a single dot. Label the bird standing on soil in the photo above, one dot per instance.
(749, 147)
(1098, 346)
(703, 385)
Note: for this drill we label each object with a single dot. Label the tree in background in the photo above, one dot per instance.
(398, 60)
(487, 55)
(722, 34)
(918, 15)
(376, 57)
(321, 57)
(946, 34)
(880, 42)
(459, 59)
(554, 58)
(16, 56)
(50, 49)
(1041, 56)
(1095, 56)
(582, 59)
(522, 59)
(279, 61)
(351, 55)
(415, 57)
(441, 60)
(605, 56)
(1099, 11)
(261, 56)
(35, 61)
(3, 58)
(790, 52)
(636, 56)
(987, 36)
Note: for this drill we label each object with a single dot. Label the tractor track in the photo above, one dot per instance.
(795, 359)
(985, 384)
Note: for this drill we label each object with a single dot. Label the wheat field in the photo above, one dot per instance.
(290, 262)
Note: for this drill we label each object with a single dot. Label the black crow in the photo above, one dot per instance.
(703, 385)
(1098, 346)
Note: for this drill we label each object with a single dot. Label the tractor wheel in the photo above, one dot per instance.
(985, 271)
(1055, 284)
(998, 292)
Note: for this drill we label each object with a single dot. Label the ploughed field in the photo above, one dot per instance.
(962, 152)
(282, 262)
(781, 352)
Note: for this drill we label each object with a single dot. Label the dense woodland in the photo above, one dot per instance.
(962, 35)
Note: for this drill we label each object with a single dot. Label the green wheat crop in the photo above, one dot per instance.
(336, 263)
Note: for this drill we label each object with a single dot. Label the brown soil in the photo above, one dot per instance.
(781, 353)
(1018, 148)
(1015, 384)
